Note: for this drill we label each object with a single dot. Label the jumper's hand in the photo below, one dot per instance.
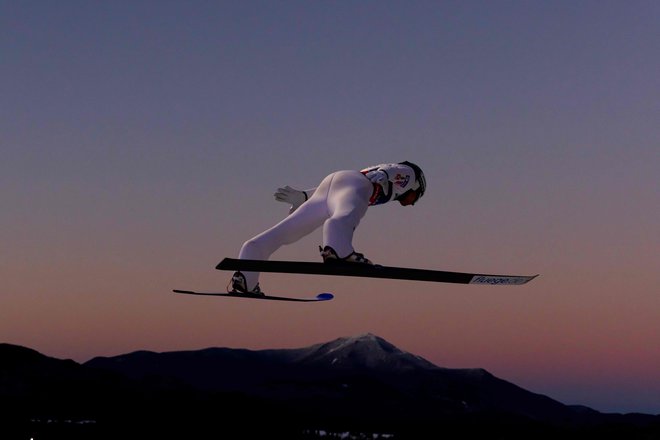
(291, 196)
(381, 178)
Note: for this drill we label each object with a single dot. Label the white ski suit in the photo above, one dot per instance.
(338, 204)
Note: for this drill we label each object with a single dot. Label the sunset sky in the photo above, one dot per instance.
(141, 142)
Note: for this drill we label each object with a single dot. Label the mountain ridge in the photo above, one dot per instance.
(361, 380)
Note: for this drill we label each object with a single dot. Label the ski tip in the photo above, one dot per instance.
(182, 291)
(324, 296)
(530, 278)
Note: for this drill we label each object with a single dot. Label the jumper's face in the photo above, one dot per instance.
(408, 198)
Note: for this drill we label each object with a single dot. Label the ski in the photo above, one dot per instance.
(319, 297)
(370, 271)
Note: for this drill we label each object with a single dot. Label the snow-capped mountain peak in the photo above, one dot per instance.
(363, 351)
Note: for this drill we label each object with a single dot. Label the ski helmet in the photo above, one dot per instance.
(419, 178)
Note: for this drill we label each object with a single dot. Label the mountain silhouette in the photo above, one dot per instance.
(359, 383)
(365, 370)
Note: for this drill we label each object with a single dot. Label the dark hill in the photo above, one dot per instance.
(364, 372)
(360, 383)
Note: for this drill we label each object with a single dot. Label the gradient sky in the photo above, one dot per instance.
(141, 143)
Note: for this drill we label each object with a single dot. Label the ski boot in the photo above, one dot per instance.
(330, 256)
(239, 286)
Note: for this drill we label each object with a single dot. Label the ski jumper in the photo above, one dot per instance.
(338, 204)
